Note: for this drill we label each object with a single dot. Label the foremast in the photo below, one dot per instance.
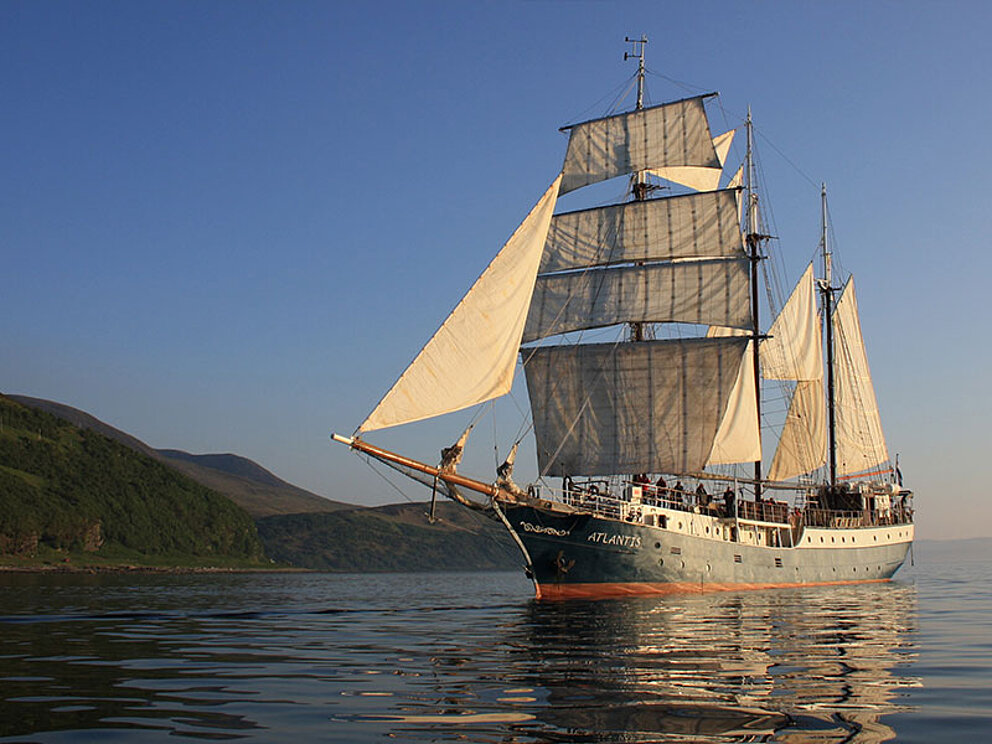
(639, 185)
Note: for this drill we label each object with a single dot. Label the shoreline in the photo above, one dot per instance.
(133, 569)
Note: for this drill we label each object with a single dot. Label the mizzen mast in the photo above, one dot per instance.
(828, 328)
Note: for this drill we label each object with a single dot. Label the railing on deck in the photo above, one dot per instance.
(595, 497)
(849, 519)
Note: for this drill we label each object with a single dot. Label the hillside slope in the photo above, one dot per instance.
(246, 483)
(397, 537)
(66, 488)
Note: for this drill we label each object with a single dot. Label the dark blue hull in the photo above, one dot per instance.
(580, 554)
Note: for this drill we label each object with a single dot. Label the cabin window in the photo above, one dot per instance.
(676, 551)
(663, 521)
(738, 558)
(778, 563)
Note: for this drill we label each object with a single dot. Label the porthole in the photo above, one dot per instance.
(707, 530)
(661, 561)
(657, 545)
(833, 539)
(683, 563)
(809, 538)
(680, 525)
(821, 538)
(876, 538)
(708, 569)
(843, 539)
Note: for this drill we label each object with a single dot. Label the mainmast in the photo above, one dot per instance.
(754, 239)
(638, 181)
(828, 328)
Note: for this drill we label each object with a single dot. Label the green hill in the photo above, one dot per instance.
(390, 538)
(66, 490)
(246, 483)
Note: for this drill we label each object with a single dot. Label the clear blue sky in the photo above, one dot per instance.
(227, 227)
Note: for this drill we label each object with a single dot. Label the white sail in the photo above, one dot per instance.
(686, 226)
(673, 134)
(654, 406)
(802, 448)
(701, 179)
(736, 182)
(713, 291)
(793, 350)
(739, 437)
(471, 358)
(860, 442)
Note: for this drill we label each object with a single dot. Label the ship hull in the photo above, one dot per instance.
(580, 554)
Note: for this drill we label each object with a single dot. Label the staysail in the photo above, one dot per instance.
(739, 437)
(700, 179)
(471, 358)
(794, 352)
(802, 448)
(860, 442)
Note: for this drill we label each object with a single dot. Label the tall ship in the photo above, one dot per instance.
(638, 328)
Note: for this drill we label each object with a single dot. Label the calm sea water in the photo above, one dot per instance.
(472, 658)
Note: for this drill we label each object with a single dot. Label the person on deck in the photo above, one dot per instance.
(661, 490)
(728, 501)
(680, 493)
(702, 497)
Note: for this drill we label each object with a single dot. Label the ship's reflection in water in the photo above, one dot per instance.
(455, 657)
(818, 665)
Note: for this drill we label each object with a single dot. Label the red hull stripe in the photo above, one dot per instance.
(633, 589)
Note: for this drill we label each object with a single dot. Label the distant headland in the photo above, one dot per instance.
(77, 494)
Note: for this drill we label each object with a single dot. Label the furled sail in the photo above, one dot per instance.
(860, 442)
(652, 406)
(672, 134)
(802, 448)
(471, 358)
(686, 226)
(701, 179)
(713, 291)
